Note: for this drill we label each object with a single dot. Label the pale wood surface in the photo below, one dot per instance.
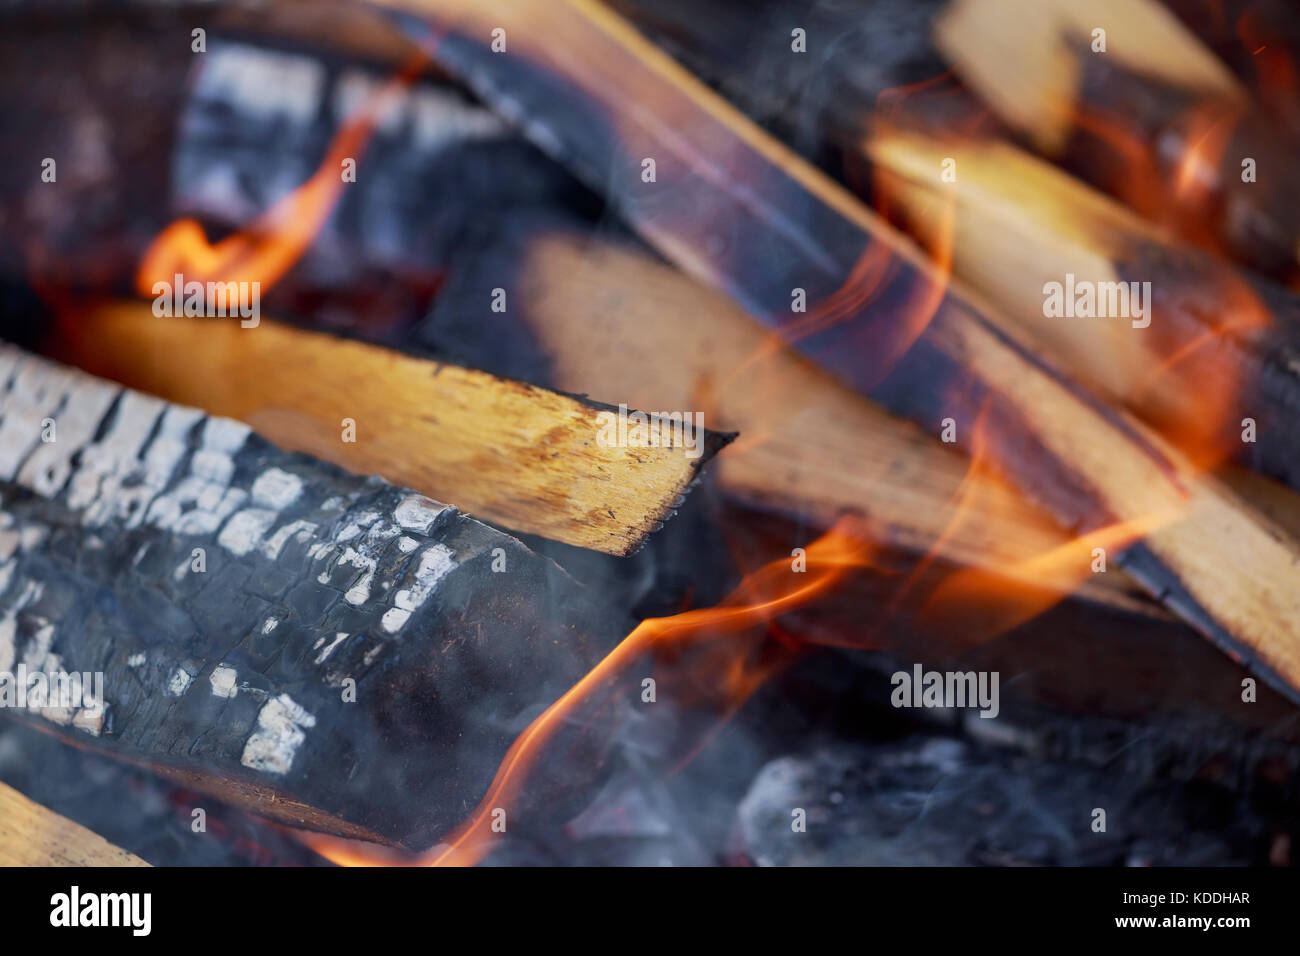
(519, 456)
(1019, 54)
(31, 835)
(1011, 223)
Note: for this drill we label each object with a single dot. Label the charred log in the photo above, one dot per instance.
(328, 650)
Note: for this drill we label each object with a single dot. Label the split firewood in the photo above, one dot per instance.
(907, 483)
(514, 454)
(1129, 98)
(729, 204)
(1202, 351)
(808, 446)
(31, 835)
(324, 649)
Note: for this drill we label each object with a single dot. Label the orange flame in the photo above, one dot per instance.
(265, 249)
(1196, 174)
(986, 603)
(983, 603)
(773, 590)
(1276, 81)
(1200, 384)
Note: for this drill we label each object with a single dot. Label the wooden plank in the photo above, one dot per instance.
(733, 206)
(31, 835)
(523, 457)
(1214, 347)
(320, 648)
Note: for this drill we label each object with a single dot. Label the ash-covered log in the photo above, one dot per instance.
(327, 650)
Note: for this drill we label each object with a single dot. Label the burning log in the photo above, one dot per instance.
(729, 204)
(514, 454)
(327, 650)
(1198, 349)
(225, 135)
(821, 451)
(31, 835)
(876, 60)
(1130, 99)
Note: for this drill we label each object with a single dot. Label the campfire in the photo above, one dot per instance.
(508, 432)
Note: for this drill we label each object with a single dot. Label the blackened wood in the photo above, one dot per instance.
(855, 52)
(1079, 663)
(144, 131)
(230, 594)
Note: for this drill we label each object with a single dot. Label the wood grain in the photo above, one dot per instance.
(523, 457)
(31, 835)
